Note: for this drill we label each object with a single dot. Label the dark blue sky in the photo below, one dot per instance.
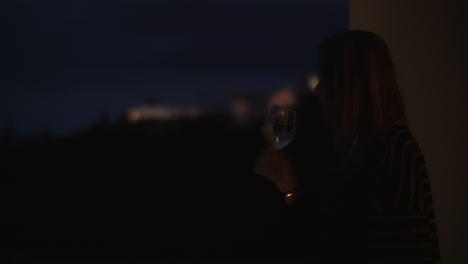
(76, 59)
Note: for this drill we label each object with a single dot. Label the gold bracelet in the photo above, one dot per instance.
(290, 193)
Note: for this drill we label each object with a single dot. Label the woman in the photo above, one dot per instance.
(358, 172)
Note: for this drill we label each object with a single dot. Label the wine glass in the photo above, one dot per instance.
(282, 124)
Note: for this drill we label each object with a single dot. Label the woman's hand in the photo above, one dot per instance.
(275, 165)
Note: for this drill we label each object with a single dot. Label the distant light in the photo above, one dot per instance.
(133, 116)
(193, 112)
(161, 112)
(312, 82)
(240, 109)
(149, 112)
(289, 194)
(284, 97)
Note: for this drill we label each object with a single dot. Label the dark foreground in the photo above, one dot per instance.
(176, 192)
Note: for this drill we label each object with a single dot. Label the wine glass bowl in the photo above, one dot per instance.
(282, 122)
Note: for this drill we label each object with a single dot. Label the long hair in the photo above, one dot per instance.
(358, 88)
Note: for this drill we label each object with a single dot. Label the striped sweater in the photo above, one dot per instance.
(382, 212)
(402, 227)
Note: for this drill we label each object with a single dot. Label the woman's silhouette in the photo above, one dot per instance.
(354, 177)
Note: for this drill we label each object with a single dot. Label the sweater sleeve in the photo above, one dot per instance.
(402, 220)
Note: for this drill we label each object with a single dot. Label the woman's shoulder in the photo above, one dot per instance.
(398, 132)
(402, 145)
(399, 136)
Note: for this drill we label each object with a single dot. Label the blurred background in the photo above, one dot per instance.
(128, 127)
(79, 62)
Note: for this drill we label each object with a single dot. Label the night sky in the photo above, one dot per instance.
(68, 62)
